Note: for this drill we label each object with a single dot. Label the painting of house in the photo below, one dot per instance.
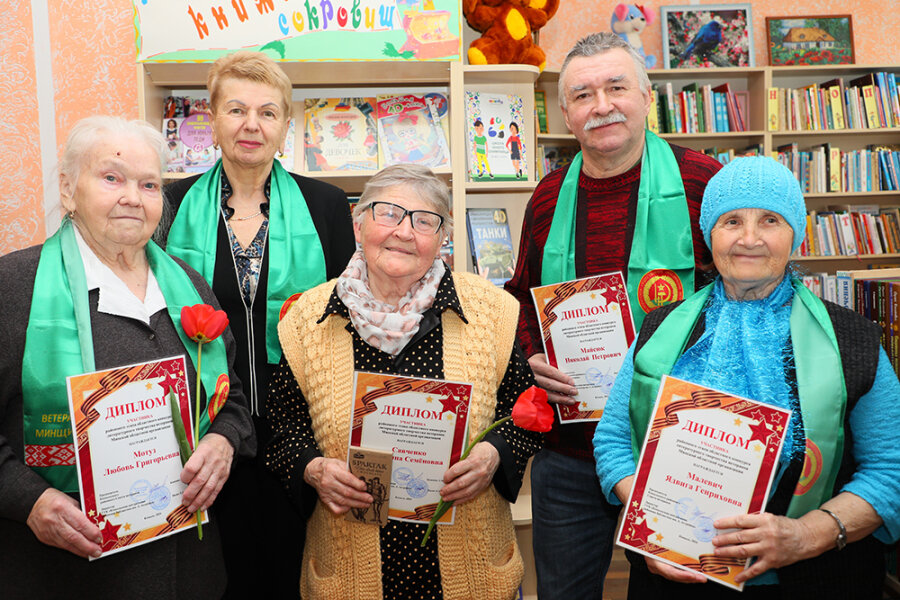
(821, 40)
(807, 37)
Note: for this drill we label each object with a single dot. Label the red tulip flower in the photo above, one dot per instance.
(532, 410)
(202, 323)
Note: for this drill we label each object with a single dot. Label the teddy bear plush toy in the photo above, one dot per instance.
(506, 27)
(629, 20)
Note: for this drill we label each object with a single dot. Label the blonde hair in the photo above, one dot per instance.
(250, 66)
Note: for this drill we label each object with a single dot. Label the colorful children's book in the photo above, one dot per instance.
(187, 127)
(340, 134)
(494, 132)
(413, 128)
(491, 244)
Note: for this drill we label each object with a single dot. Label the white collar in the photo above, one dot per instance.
(115, 297)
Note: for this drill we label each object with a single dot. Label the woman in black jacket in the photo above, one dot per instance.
(260, 236)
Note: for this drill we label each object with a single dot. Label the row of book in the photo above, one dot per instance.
(852, 230)
(825, 168)
(550, 158)
(868, 102)
(875, 294)
(697, 109)
(369, 133)
(726, 155)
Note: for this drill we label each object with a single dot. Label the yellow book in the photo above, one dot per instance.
(653, 116)
(773, 109)
(834, 170)
(868, 92)
(811, 246)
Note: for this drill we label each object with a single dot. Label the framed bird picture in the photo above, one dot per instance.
(707, 35)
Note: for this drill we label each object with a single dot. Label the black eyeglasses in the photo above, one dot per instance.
(391, 215)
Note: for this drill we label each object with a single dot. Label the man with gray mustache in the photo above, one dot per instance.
(629, 202)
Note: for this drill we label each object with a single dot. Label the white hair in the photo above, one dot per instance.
(598, 43)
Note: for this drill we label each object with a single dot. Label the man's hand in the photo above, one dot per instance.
(560, 387)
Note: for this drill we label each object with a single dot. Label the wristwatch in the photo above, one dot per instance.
(841, 542)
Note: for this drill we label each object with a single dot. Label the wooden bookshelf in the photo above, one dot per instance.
(756, 81)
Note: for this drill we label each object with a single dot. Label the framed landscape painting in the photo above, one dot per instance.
(707, 35)
(818, 40)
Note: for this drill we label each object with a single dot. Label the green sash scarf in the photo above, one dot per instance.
(296, 258)
(59, 343)
(661, 263)
(820, 385)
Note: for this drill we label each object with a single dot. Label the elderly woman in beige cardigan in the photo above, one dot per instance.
(397, 309)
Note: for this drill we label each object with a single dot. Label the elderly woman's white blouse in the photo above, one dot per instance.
(115, 297)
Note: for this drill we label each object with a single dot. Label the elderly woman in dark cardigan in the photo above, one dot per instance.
(100, 263)
(757, 332)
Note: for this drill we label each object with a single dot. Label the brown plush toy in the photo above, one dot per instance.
(506, 27)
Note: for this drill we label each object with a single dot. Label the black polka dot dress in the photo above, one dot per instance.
(408, 570)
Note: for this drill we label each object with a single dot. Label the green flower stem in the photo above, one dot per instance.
(197, 428)
(184, 449)
(442, 506)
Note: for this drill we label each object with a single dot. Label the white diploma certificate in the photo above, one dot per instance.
(586, 327)
(423, 421)
(129, 466)
(707, 454)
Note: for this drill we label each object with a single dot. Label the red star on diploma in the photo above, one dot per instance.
(611, 295)
(450, 404)
(168, 383)
(760, 432)
(640, 532)
(110, 534)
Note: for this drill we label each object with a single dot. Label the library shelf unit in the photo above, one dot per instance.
(756, 81)
(347, 78)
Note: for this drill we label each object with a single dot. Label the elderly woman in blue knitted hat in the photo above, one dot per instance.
(757, 332)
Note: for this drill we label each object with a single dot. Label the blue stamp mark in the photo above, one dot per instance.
(703, 529)
(593, 375)
(402, 475)
(416, 488)
(159, 497)
(140, 489)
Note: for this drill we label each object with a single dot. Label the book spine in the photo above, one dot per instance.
(870, 106)
(772, 109)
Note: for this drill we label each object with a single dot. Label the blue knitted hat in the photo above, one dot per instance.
(754, 182)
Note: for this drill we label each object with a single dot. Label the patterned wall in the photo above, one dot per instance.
(21, 191)
(92, 61)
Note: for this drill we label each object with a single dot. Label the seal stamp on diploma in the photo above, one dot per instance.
(659, 287)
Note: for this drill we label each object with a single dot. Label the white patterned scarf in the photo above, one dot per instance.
(385, 326)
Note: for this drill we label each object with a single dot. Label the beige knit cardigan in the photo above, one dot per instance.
(478, 556)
